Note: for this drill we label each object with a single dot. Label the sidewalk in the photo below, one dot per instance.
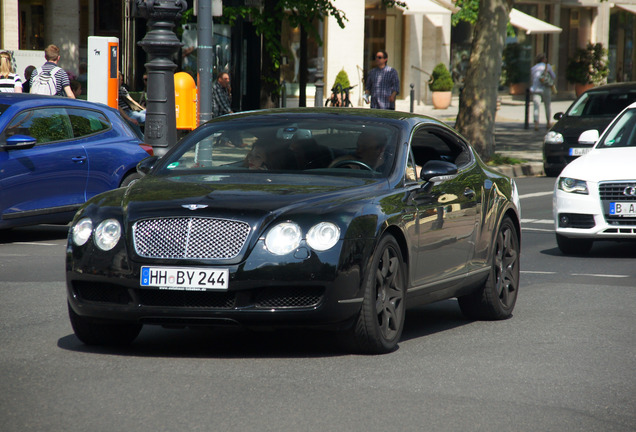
(511, 137)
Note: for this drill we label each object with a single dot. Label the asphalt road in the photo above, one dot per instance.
(565, 361)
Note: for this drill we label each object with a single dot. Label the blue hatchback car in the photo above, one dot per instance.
(56, 153)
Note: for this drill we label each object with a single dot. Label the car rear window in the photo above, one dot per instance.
(601, 103)
(3, 108)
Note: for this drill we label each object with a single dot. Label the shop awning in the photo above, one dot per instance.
(531, 24)
(628, 7)
(427, 7)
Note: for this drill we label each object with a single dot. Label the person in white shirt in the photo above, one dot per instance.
(542, 78)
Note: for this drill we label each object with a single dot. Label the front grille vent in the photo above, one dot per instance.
(614, 191)
(189, 238)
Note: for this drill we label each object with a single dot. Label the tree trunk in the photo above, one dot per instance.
(478, 107)
(302, 69)
(270, 74)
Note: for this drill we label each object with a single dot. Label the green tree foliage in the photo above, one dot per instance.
(267, 22)
(441, 79)
(588, 66)
(343, 79)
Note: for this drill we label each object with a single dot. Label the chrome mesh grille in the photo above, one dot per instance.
(189, 237)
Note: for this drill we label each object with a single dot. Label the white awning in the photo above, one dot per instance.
(628, 7)
(425, 7)
(531, 24)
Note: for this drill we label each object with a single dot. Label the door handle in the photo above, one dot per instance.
(79, 159)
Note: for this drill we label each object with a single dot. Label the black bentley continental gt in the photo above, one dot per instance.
(335, 218)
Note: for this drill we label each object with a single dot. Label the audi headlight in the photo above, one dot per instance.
(323, 236)
(82, 231)
(570, 185)
(553, 138)
(283, 238)
(107, 234)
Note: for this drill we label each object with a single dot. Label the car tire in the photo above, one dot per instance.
(573, 246)
(379, 325)
(496, 298)
(130, 179)
(92, 333)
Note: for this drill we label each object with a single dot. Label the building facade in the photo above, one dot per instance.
(416, 38)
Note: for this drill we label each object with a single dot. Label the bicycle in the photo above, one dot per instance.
(339, 96)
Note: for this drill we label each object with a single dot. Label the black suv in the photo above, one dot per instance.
(594, 109)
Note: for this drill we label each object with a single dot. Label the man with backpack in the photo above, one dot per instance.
(50, 79)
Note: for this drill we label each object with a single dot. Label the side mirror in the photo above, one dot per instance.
(558, 116)
(19, 142)
(145, 166)
(589, 137)
(438, 171)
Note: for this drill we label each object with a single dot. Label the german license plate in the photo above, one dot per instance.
(625, 208)
(184, 278)
(579, 151)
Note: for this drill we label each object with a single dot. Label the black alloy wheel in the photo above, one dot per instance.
(496, 298)
(379, 326)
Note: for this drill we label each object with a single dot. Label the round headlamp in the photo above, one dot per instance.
(107, 234)
(323, 236)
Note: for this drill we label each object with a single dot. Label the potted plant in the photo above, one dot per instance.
(588, 67)
(441, 84)
(515, 70)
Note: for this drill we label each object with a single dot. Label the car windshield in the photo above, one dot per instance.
(622, 133)
(601, 103)
(338, 147)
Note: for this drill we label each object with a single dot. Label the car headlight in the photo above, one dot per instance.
(570, 185)
(553, 138)
(82, 231)
(283, 238)
(107, 234)
(323, 236)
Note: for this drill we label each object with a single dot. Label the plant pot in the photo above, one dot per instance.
(579, 89)
(442, 99)
(518, 88)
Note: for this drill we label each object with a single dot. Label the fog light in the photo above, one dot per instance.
(564, 221)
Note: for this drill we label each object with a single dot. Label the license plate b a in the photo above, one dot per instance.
(623, 209)
(184, 278)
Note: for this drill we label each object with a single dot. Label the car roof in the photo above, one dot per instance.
(28, 100)
(622, 86)
(360, 114)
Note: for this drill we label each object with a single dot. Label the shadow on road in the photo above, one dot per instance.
(236, 342)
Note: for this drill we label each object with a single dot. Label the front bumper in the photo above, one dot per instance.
(298, 290)
(583, 216)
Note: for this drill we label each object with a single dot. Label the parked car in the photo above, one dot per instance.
(298, 217)
(594, 109)
(595, 195)
(55, 153)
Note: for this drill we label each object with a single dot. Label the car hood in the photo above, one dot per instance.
(248, 197)
(603, 164)
(572, 127)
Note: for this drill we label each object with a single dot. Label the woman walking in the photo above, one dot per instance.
(10, 82)
(542, 78)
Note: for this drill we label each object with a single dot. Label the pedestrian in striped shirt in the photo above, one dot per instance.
(10, 82)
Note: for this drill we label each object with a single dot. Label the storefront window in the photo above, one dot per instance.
(32, 25)
(290, 67)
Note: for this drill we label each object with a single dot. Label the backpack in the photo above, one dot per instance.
(44, 82)
(546, 78)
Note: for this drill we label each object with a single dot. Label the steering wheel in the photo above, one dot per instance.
(352, 162)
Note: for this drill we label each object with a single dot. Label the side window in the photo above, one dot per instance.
(45, 125)
(87, 122)
(436, 144)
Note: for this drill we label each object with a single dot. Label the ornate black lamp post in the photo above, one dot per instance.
(160, 43)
